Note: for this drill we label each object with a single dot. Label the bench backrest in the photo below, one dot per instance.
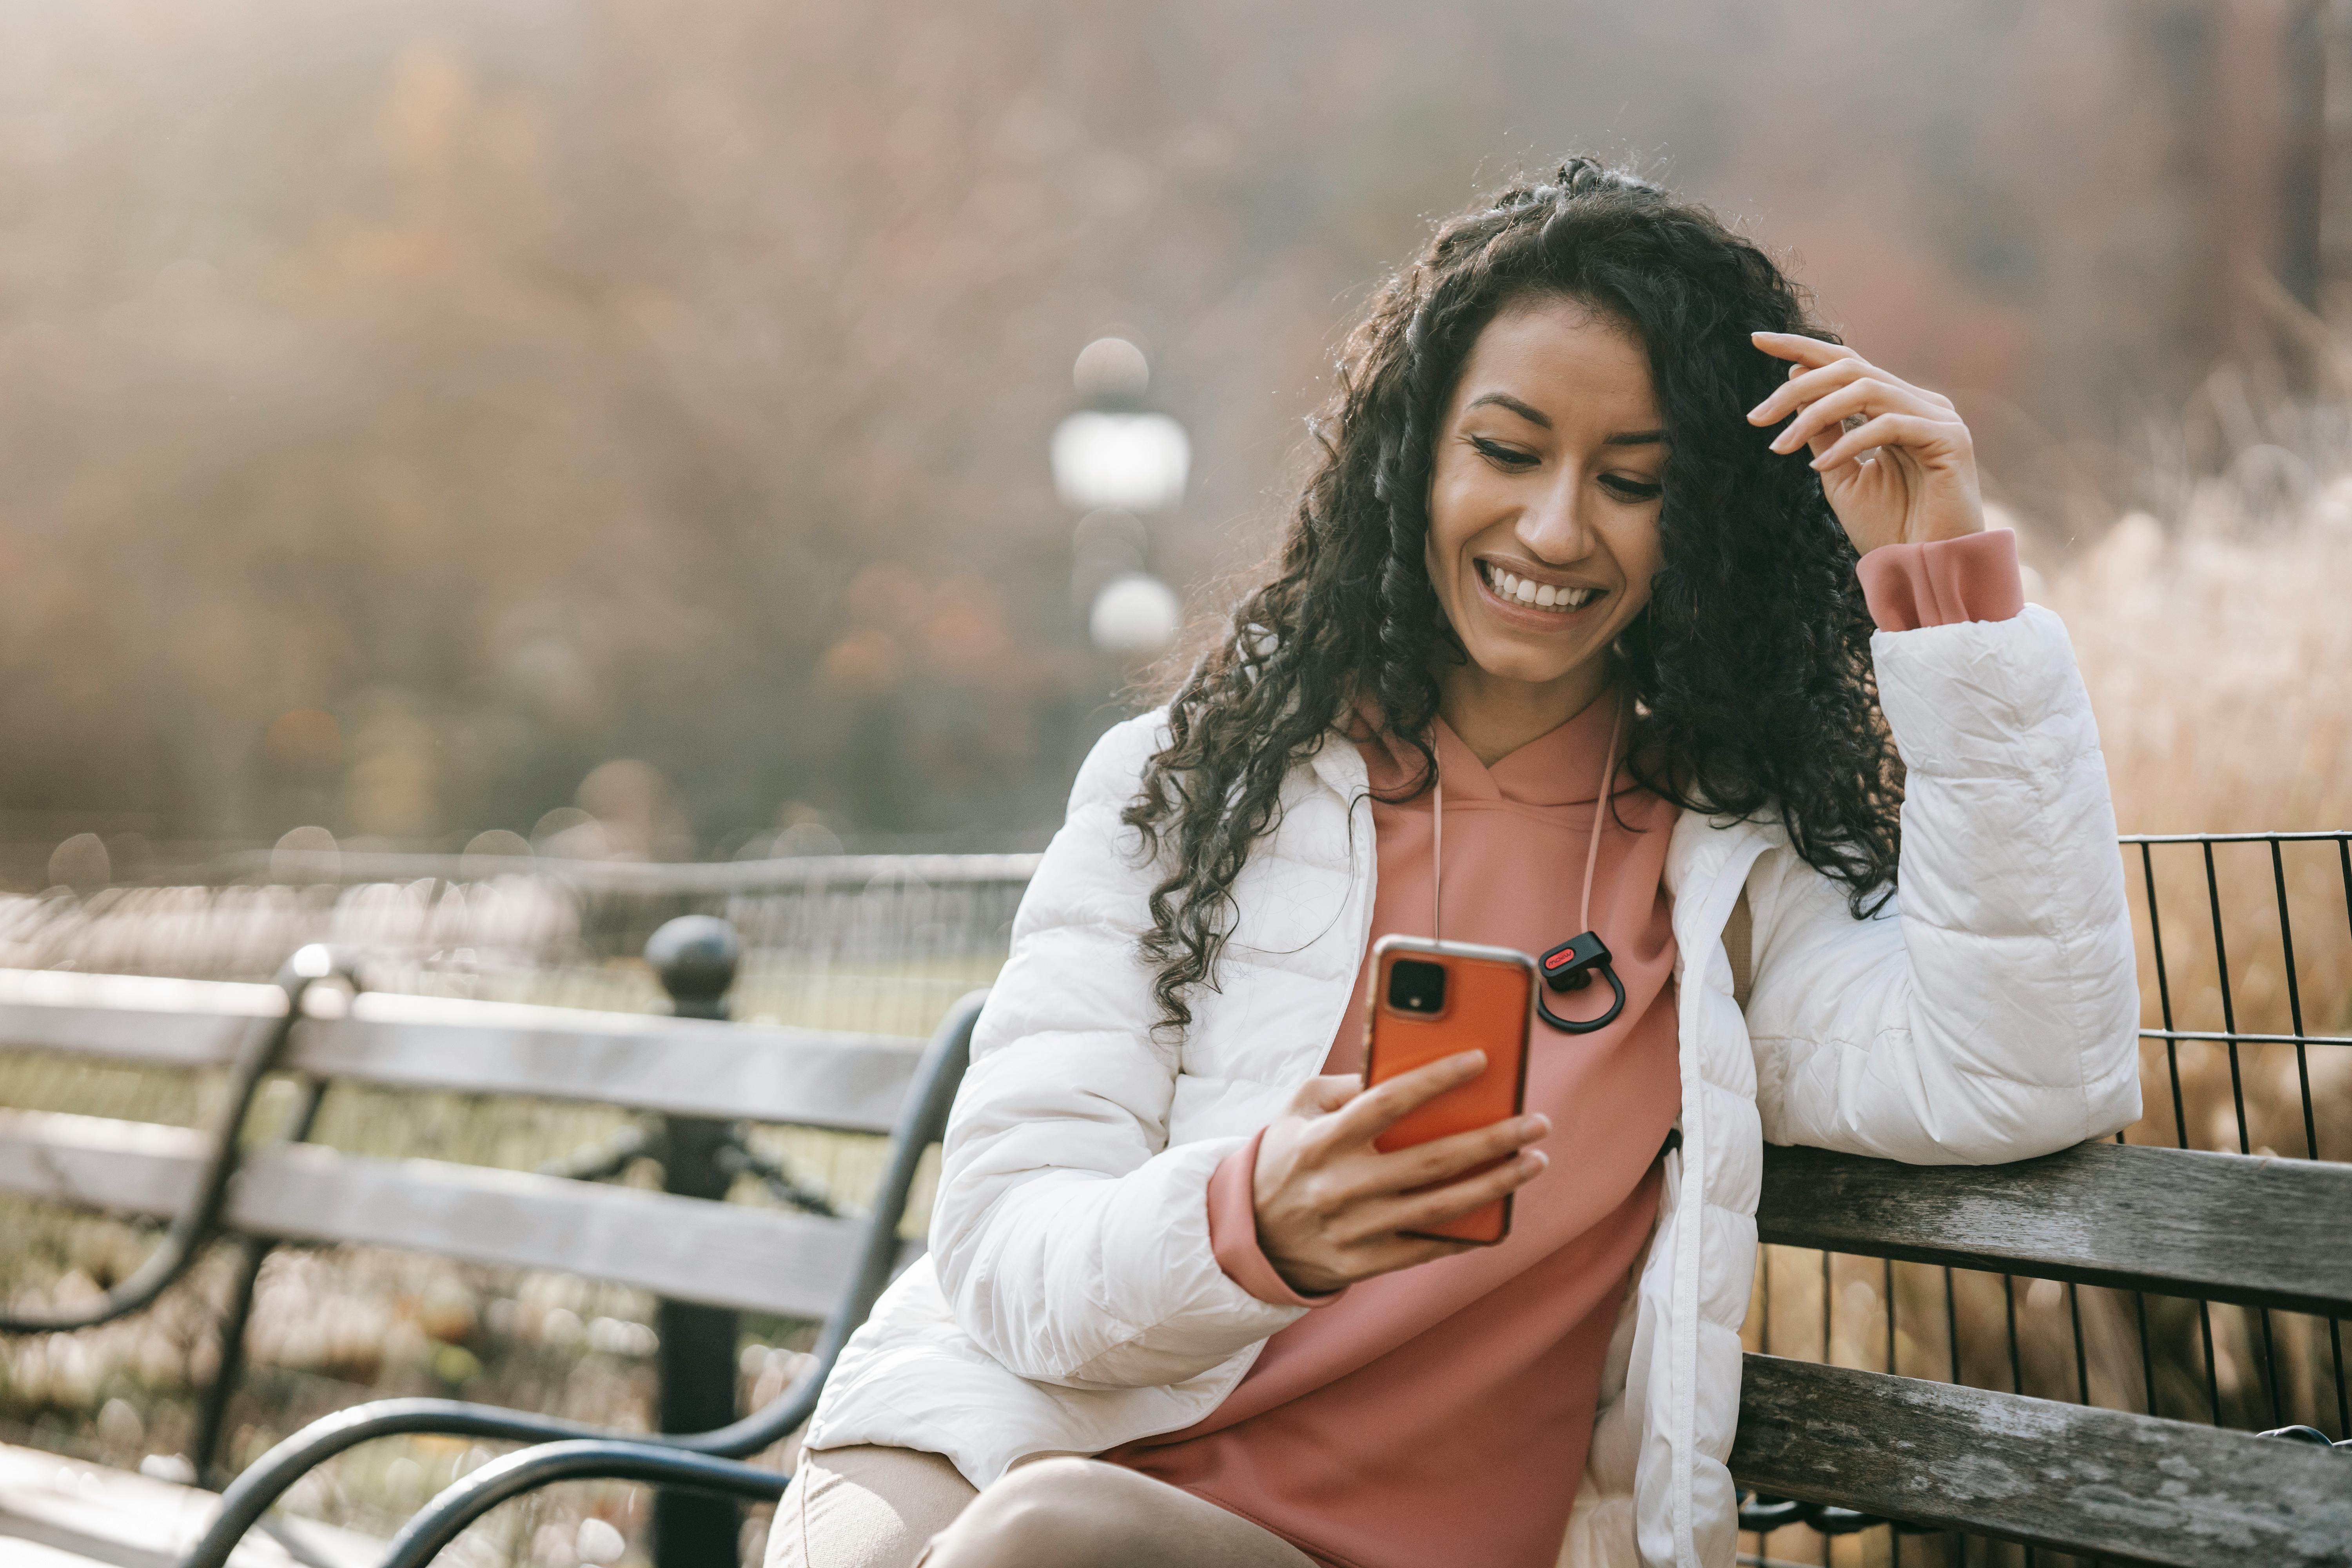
(2263, 1232)
(680, 1247)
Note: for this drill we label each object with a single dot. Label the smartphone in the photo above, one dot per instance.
(1435, 999)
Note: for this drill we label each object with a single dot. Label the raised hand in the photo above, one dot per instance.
(1330, 1207)
(1904, 474)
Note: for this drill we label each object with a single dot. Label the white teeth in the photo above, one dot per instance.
(1541, 595)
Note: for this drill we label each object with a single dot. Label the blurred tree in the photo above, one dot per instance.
(407, 407)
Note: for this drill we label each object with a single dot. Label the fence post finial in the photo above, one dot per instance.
(695, 957)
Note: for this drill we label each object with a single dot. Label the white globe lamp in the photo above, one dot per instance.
(1136, 615)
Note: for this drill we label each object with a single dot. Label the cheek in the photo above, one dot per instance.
(1639, 554)
(1455, 513)
(1452, 503)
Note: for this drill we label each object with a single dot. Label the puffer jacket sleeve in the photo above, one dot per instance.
(1071, 1241)
(1989, 1012)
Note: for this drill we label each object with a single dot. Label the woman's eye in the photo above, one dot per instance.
(1496, 452)
(1624, 488)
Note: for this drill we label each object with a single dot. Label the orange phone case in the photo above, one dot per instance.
(1489, 998)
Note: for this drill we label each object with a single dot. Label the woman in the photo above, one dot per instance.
(1574, 588)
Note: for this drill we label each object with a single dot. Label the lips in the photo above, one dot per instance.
(1528, 593)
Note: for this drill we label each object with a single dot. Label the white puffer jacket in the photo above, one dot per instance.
(1070, 1302)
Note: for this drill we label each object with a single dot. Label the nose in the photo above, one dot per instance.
(1554, 527)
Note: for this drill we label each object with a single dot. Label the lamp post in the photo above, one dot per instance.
(1115, 461)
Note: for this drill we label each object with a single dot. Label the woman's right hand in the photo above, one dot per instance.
(1331, 1208)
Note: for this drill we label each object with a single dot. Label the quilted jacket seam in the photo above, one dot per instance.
(1958, 1068)
(2055, 764)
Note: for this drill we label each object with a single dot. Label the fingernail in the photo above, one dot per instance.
(1780, 442)
(1757, 413)
(1818, 464)
(1539, 1156)
(1472, 1061)
(1537, 1126)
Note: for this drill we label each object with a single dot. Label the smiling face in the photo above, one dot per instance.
(1543, 507)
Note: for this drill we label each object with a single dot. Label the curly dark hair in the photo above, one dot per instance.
(1750, 668)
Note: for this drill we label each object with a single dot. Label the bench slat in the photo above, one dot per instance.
(2262, 1231)
(60, 1512)
(682, 1066)
(726, 1255)
(2130, 1489)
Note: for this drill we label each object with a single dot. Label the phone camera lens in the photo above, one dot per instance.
(1416, 987)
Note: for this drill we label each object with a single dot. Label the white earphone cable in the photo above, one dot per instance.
(1591, 848)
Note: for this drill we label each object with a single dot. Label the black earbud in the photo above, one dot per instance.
(1571, 967)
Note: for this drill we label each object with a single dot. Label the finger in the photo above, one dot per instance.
(1800, 349)
(1804, 385)
(1376, 1110)
(1327, 1093)
(1442, 1159)
(1423, 1210)
(1920, 436)
(1860, 399)
(1365, 1223)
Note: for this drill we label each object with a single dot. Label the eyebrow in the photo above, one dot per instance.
(1526, 411)
(1535, 415)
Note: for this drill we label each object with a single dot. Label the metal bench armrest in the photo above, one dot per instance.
(444, 1519)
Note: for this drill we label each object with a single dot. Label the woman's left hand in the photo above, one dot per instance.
(1905, 474)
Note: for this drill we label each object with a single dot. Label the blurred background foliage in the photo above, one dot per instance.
(409, 409)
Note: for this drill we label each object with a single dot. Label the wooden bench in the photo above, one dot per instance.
(692, 1253)
(2122, 1487)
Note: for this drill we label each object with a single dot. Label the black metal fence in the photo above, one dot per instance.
(2245, 947)
(875, 942)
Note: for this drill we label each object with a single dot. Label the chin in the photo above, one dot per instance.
(1525, 667)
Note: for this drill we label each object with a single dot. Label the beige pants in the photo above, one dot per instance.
(895, 1508)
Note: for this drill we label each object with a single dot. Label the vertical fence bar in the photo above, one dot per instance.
(2009, 1300)
(2082, 1359)
(1829, 1358)
(2164, 992)
(2229, 1007)
(1893, 1535)
(2295, 1003)
(2212, 1378)
(1952, 1325)
(2335, 1330)
(2146, 1360)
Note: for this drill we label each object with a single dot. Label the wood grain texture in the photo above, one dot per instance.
(692, 1249)
(2131, 1489)
(682, 1066)
(2263, 1232)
